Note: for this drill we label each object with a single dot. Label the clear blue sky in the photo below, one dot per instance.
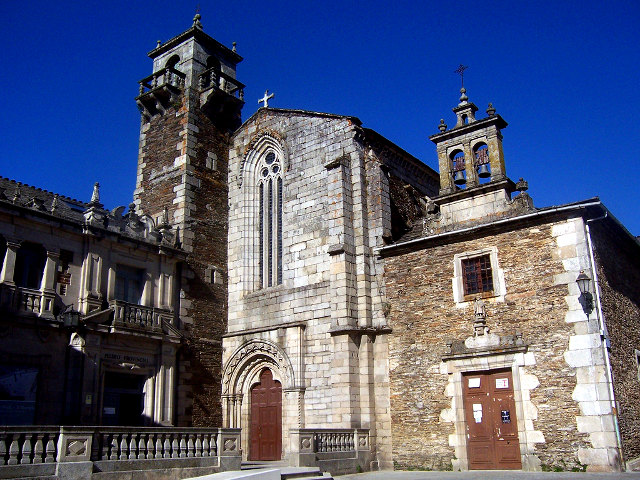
(565, 76)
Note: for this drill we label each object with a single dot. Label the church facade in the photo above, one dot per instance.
(326, 291)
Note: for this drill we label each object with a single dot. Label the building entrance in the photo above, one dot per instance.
(490, 415)
(123, 400)
(265, 434)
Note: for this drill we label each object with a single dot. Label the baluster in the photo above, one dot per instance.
(149, 447)
(183, 447)
(106, 443)
(38, 450)
(175, 449)
(50, 451)
(205, 445)
(241, 94)
(132, 447)
(166, 453)
(154, 82)
(158, 453)
(198, 446)
(213, 445)
(190, 446)
(14, 450)
(3, 449)
(142, 453)
(113, 447)
(26, 450)
(123, 447)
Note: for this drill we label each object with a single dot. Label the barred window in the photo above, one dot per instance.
(477, 276)
(270, 220)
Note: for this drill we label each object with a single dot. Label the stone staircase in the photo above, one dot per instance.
(289, 473)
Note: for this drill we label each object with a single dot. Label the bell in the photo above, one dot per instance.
(459, 179)
(483, 171)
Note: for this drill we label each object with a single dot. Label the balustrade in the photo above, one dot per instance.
(26, 300)
(214, 78)
(132, 315)
(26, 446)
(117, 443)
(163, 77)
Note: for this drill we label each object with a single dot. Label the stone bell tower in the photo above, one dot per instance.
(190, 104)
(474, 187)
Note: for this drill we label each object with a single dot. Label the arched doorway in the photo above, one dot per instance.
(265, 436)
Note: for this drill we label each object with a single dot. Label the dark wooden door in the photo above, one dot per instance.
(265, 435)
(490, 414)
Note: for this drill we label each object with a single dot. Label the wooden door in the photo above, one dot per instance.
(490, 414)
(265, 434)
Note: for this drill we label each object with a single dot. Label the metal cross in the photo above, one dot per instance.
(460, 71)
(266, 98)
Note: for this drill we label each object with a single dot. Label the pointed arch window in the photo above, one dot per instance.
(269, 190)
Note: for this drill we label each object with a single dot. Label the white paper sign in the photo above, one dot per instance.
(474, 382)
(109, 410)
(502, 383)
(477, 412)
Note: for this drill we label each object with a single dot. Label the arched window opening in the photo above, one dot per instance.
(30, 262)
(270, 220)
(458, 168)
(481, 162)
(172, 62)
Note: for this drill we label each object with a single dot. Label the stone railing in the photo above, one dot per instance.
(78, 451)
(336, 450)
(214, 78)
(26, 300)
(163, 77)
(137, 316)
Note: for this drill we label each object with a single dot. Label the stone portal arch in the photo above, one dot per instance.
(242, 371)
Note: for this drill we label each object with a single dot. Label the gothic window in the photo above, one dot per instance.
(30, 262)
(129, 284)
(269, 190)
(476, 275)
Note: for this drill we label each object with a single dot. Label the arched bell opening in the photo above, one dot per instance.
(458, 168)
(481, 162)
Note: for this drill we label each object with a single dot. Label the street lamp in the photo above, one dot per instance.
(586, 298)
(70, 317)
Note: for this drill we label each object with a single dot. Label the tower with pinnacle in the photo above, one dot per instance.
(189, 106)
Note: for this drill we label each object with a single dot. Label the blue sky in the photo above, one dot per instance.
(563, 74)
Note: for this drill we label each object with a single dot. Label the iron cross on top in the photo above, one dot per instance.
(460, 71)
(266, 98)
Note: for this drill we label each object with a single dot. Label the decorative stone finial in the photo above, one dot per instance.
(158, 43)
(443, 126)
(522, 185)
(463, 96)
(16, 195)
(233, 49)
(490, 110)
(95, 196)
(196, 21)
(54, 203)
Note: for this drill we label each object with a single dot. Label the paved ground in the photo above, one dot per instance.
(488, 475)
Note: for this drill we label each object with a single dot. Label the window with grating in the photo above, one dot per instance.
(270, 221)
(477, 276)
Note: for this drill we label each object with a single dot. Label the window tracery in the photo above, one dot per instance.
(269, 190)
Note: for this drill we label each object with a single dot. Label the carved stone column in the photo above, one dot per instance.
(9, 264)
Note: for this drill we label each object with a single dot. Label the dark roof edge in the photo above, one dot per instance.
(199, 35)
(419, 163)
(576, 207)
(49, 192)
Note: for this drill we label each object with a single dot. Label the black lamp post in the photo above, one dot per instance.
(586, 298)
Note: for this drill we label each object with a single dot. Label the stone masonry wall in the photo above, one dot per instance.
(619, 280)
(424, 317)
(183, 166)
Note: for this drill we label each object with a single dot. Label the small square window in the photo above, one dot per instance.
(477, 276)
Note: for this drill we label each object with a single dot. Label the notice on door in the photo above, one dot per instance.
(474, 382)
(477, 412)
(502, 383)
